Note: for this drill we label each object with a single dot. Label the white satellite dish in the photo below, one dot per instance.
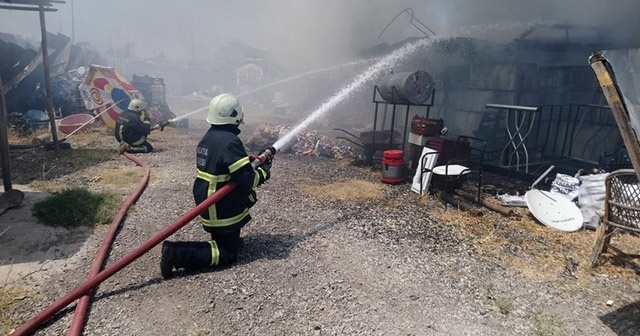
(81, 70)
(553, 210)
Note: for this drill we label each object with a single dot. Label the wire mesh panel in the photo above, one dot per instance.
(624, 199)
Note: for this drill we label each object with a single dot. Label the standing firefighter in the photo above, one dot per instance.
(221, 158)
(132, 128)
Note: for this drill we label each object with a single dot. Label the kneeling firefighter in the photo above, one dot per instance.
(220, 158)
(132, 128)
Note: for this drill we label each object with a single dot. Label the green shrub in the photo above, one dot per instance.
(77, 207)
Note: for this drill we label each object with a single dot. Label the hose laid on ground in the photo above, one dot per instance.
(77, 323)
(86, 288)
(32, 324)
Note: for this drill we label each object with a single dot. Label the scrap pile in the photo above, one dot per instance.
(308, 143)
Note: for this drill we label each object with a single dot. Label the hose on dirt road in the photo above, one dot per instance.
(87, 288)
(77, 323)
(31, 325)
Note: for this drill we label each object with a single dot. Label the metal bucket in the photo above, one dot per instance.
(407, 88)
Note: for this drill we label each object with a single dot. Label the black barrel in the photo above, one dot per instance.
(412, 88)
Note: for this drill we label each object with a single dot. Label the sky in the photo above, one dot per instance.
(304, 33)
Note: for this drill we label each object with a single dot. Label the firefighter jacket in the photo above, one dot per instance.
(132, 128)
(221, 158)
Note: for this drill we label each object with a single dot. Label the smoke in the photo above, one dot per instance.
(303, 34)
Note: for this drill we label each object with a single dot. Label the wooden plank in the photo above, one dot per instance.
(612, 93)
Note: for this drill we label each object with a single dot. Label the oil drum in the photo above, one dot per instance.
(409, 88)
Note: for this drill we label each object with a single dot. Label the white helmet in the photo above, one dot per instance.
(137, 105)
(225, 109)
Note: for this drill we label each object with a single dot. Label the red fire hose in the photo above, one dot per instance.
(85, 290)
(83, 304)
(32, 324)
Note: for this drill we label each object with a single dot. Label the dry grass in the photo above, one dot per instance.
(536, 251)
(345, 190)
(549, 325)
(95, 137)
(117, 176)
(10, 300)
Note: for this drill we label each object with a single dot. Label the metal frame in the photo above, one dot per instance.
(41, 6)
(523, 120)
(547, 135)
(380, 100)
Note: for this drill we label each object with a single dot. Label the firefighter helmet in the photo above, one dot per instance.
(225, 109)
(137, 105)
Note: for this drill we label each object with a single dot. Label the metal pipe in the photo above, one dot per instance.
(91, 120)
(32, 324)
(406, 122)
(82, 307)
(30, 9)
(512, 107)
(566, 132)
(393, 125)
(4, 142)
(535, 183)
(557, 133)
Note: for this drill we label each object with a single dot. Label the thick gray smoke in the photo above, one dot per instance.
(303, 34)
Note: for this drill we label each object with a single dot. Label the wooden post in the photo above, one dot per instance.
(4, 142)
(47, 79)
(459, 204)
(495, 207)
(612, 93)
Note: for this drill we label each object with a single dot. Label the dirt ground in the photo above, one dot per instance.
(318, 259)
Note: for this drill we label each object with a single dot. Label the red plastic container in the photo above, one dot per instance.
(69, 124)
(393, 167)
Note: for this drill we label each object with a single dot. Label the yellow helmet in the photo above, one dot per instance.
(225, 109)
(137, 105)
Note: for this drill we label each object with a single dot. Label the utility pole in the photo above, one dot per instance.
(73, 24)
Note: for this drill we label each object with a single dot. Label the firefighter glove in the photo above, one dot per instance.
(264, 173)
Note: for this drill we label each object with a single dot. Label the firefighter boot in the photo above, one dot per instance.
(123, 147)
(137, 149)
(187, 255)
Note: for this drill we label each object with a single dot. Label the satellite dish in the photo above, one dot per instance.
(553, 210)
(82, 70)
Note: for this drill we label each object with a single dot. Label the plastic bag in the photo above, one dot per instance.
(591, 198)
(566, 186)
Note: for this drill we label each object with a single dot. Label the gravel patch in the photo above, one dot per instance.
(318, 266)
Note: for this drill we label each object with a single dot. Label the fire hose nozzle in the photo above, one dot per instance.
(265, 156)
(164, 124)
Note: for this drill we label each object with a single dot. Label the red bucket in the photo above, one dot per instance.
(393, 167)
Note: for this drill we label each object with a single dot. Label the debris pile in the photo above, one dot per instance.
(309, 143)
